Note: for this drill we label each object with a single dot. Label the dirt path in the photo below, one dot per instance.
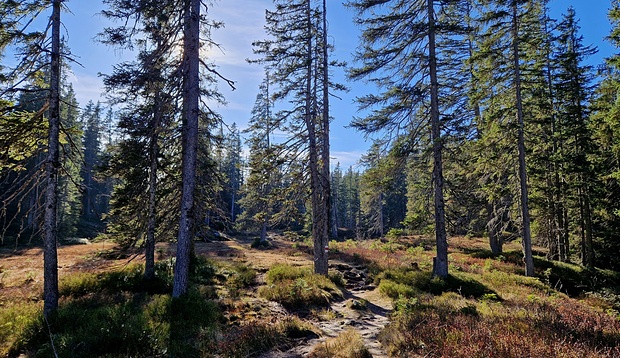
(363, 309)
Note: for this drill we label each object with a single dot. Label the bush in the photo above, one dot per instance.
(296, 287)
(396, 290)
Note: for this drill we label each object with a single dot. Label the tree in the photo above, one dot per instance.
(399, 54)
(501, 50)
(605, 127)
(572, 90)
(292, 56)
(50, 255)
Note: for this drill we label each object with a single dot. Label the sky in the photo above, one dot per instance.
(244, 21)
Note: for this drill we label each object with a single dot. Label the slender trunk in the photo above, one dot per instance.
(495, 240)
(263, 232)
(440, 263)
(191, 94)
(316, 181)
(325, 133)
(325, 150)
(334, 214)
(582, 225)
(527, 238)
(589, 250)
(149, 266)
(565, 234)
(50, 254)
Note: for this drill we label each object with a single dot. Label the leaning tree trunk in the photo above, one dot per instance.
(527, 237)
(191, 94)
(440, 262)
(50, 254)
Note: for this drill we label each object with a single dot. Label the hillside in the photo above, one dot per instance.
(379, 301)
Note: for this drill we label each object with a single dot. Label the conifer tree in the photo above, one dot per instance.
(605, 127)
(50, 255)
(501, 51)
(298, 65)
(400, 53)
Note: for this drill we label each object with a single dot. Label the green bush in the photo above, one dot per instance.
(297, 287)
(395, 290)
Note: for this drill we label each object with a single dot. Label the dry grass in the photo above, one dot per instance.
(348, 344)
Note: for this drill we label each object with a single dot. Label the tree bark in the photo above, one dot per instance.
(527, 239)
(50, 254)
(440, 263)
(495, 238)
(191, 94)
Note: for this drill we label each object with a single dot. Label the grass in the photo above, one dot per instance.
(449, 327)
(486, 307)
(296, 287)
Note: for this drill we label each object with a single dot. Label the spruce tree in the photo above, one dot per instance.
(297, 58)
(401, 54)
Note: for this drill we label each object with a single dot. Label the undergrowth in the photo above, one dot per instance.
(486, 307)
(119, 314)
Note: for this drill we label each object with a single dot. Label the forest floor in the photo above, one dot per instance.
(362, 308)
(386, 299)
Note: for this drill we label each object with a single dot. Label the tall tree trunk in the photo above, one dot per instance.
(50, 254)
(495, 237)
(320, 254)
(589, 249)
(191, 94)
(440, 263)
(334, 212)
(527, 238)
(325, 150)
(149, 266)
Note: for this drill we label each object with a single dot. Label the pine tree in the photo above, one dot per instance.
(501, 54)
(573, 90)
(605, 127)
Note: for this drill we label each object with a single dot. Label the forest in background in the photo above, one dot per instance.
(487, 117)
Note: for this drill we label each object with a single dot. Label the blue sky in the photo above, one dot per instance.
(244, 21)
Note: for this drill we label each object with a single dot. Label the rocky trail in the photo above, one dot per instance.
(362, 308)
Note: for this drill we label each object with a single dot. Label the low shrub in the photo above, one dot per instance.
(250, 340)
(296, 287)
(395, 290)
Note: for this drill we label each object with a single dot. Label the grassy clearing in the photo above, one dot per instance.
(296, 287)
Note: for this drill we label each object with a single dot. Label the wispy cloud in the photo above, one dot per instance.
(345, 158)
(87, 87)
